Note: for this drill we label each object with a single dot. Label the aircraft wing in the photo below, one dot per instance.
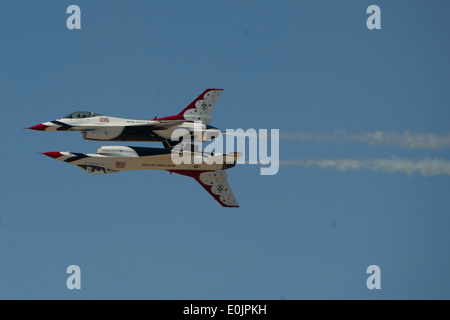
(215, 182)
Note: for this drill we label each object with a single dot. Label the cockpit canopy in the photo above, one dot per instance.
(82, 114)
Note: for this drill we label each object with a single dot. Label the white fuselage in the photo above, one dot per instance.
(120, 158)
(104, 128)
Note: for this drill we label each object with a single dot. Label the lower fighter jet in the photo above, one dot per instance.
(205, 168)
(94, 126)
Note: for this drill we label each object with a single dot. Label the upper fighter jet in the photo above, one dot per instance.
(95, 126)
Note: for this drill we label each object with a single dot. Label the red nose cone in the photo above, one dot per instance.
(39, 127)
(53, 155)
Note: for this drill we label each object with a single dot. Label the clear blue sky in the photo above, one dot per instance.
(297, 66)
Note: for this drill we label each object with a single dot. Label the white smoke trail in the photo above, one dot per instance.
(407, 140)
(424, 167)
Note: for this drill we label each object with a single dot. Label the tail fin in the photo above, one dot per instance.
(215, 182)
(200, 109)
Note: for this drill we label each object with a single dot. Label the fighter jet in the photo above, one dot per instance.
(203, 167)
(94, 126)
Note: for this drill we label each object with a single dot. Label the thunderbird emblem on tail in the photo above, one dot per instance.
(207, 169)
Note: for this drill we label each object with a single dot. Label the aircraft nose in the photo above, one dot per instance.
(46, 126)
(53, 154)
(39, 127)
